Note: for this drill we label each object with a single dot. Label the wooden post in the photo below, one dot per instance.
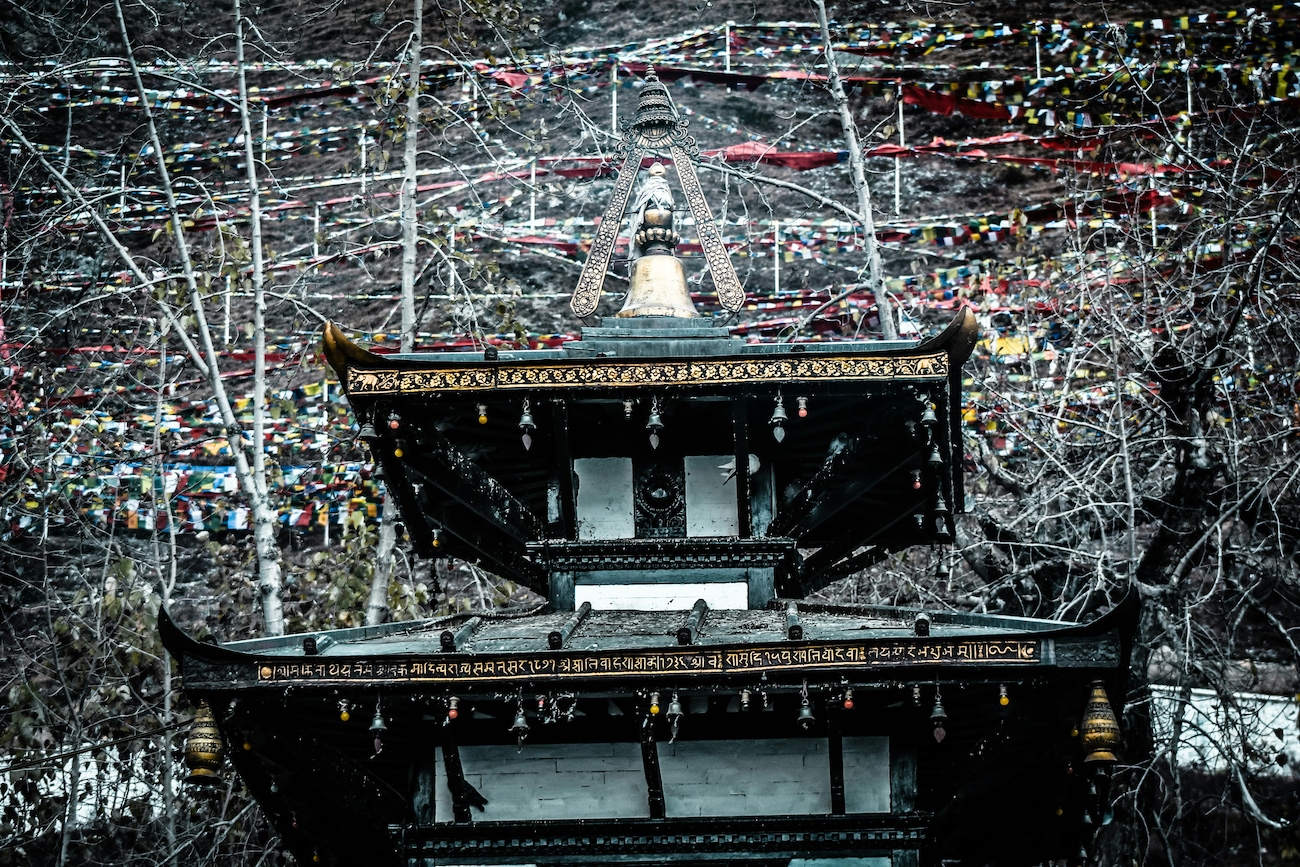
(898, 161)
(613, 90)
(364, 136)
(1153, 215)
(225, 332)
(451, 260)
(455, 777)
(315, 231)
(325, 408)
(776, 257)
(726, 46)
(653, 777)
(532, 195)
(835, 757)
(740, 420)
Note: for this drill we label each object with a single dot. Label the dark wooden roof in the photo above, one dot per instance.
(610, 649)
(872, 465)
(339, 791)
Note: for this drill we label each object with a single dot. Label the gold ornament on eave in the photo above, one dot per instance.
(204, 748)
(1099, 733)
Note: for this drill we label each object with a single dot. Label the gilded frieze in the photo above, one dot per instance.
(579, 374)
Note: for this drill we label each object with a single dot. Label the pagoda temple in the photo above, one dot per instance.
(675, 495)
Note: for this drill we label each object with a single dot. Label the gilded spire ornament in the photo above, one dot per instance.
(657, 127)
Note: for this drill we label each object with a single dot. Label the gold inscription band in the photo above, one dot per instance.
(667, 662)
(589, 374)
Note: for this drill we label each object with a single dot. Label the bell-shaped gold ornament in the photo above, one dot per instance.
(204, 748)
(658, 279)
(1099, 733)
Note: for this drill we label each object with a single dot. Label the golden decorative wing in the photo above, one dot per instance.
(586, 295)
(730, 293)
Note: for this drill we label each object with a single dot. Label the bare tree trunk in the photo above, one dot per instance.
(874, 277)
(208, 360)
(264, 517)
(410, 219)
(166, 566)
(377, 604)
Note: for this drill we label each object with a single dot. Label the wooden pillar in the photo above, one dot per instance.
(740, 420)
(423, 798)
(455, 778)
(654, 780)
(835, 754)
(562, 472)
(902, 791)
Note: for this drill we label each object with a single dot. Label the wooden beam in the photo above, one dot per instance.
(449, 470)
(397, 481)
(479, 540)
(837, 485)
(557, 639)
(654, 780)
(691, 628)
(829, 479)
(844, 568)
(836, 559)
(456, 783)
(454, 641)
(793, 628)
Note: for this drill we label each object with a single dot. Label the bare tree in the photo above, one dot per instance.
(377, 606)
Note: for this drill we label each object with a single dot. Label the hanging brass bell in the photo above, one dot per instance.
(806, 718)
(939, 718)
(654, 424)
(938, 715)
(942, 534)
(204, 748)
(521, 727)
(778, 420)
(1099, 732)
(779, 415)
(377, 725)
(526, 423)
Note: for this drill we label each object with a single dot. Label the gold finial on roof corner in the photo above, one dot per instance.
(656, 127)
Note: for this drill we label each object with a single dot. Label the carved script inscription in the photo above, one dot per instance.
(436, 669)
